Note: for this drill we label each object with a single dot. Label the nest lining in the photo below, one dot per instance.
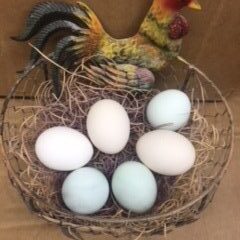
(71, 110)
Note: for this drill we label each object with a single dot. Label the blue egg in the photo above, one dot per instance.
(134, 187)
(85, 190)
(169, 110)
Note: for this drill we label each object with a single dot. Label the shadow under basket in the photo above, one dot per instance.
(31, 108)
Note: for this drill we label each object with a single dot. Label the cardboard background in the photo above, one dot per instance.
(213, 43)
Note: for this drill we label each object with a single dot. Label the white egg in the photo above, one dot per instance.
(166, 152)
(134, 187)
(85, 190)
(108, 126)
(169, 110)
(63, 148)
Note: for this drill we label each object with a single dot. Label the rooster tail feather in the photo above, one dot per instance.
(44, 13)
(82, 27)
(46, 32)
(58, 57)
(48, 18)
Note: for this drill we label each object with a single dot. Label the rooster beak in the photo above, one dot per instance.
(194, 4)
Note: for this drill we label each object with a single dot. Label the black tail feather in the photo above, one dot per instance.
(44, 13)
(48, 18)
(46, 32)
(58, 57)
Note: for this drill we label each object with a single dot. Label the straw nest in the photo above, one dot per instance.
(180, 199)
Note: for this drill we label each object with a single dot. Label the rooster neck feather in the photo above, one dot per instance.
(156, 28)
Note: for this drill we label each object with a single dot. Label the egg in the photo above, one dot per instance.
(166, 152)
(63, 148)
(169, 110)
(85, 190)
(108, 126)
(134, 187)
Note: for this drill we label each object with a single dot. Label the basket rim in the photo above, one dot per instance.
(152, 217)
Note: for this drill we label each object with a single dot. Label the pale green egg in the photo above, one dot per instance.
(134, 187)
(169, 110)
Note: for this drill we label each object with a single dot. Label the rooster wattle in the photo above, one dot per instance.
(157, 41)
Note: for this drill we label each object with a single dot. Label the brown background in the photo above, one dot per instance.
(213, 43)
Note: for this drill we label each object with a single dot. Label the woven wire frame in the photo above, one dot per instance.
(180, 75)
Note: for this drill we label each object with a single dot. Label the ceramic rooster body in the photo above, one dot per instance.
(157, 41)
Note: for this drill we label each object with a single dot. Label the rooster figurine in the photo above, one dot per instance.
(158, 40)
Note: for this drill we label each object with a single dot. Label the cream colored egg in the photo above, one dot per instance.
(63, 148)
(166, 152)
(108, 126)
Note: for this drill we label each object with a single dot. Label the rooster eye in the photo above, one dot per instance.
(177, 4)
(184, 2)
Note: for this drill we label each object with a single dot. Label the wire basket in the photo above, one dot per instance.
(213, 122)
